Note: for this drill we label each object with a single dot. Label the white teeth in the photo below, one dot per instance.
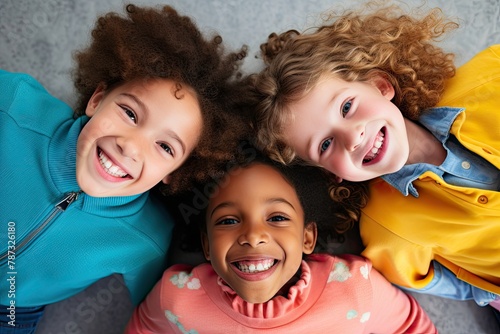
(113, 170)
(108, 166)
(255, 267)
(379, 140)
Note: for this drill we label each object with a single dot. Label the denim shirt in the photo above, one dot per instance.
(461, 168)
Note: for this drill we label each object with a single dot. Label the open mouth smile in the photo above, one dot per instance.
(108, 166)
(253, 267)
(377, 147)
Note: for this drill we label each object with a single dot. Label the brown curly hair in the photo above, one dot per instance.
(149, 42)
(353, 46)
(334, 208)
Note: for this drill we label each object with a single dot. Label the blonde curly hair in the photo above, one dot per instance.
(353, 46)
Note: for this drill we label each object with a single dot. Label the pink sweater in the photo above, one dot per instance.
(334, 294)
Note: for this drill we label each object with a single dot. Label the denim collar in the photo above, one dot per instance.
(438, 121)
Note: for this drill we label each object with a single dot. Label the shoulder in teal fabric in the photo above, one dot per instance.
(60, 253)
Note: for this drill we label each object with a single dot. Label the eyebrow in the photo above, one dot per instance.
(169, 133)
(268, 201)
(175, 137)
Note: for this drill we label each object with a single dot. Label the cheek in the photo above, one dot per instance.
(335, 163)
(395, 116)
(218, 245)
(85, 142)
(98, 127)
(345, 171)
(107, 125)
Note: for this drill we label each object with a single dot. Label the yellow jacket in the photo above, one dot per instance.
(459, 227)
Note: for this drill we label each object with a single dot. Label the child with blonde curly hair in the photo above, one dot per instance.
(153, 91)
(370, 96)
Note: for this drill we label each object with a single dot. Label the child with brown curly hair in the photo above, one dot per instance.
(75, 185)
(369, 95)
(259, 231)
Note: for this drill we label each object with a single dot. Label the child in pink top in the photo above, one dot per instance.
(259, 236)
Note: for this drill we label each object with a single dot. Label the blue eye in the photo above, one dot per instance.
(167, 148)
(227, 221)
(346, 107)
(325, 145)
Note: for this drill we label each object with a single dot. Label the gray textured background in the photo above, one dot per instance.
(39, 36)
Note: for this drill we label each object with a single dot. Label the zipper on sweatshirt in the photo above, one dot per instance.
(61, 206)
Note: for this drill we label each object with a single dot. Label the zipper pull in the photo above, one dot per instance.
(70, 198)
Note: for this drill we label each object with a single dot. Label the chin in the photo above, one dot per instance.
(95, 194)
(95, 191)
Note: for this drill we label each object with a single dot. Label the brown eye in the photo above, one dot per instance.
(166, 148)
(278, 218)
(227, 221)
(130, 114)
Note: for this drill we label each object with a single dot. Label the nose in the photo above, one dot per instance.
(353, 138)
(129, 147)
(254, 234)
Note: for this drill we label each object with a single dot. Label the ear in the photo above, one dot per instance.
(205, 245)
(310, 237)
(94, 101)
(166, 179)
(384, 86)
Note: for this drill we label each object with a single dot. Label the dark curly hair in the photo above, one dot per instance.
(335, 208)
(353, 45)
(149, 42)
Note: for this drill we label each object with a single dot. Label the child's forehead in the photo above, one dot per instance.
(255, 186)
(255, 170)
(148, 83)
(252, 175)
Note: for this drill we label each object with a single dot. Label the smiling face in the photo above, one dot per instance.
(351, 129)
(255, 232)
(138, 133)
